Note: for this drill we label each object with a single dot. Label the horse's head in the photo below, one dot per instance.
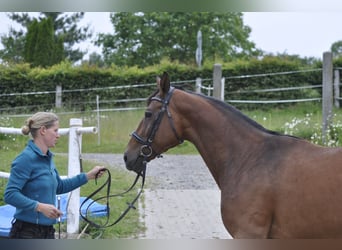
(157, 131)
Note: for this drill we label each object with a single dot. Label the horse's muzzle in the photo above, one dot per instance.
(136, 164)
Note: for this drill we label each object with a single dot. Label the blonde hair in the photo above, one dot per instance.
(38, 120)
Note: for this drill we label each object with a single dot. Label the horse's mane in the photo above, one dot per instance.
(225, 107)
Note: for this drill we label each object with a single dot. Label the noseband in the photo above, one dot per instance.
(146, 148)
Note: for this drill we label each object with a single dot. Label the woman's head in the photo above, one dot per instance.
(38, 120)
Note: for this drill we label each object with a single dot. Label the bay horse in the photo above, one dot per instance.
(272, 185)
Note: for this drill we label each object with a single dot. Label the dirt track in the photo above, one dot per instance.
(170, 172)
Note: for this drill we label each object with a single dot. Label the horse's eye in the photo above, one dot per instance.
(148, 114)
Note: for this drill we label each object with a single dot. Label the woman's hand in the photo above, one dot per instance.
(96, 172)
(49, 210)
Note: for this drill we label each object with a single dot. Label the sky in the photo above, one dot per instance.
(307, 34)
(302, 33)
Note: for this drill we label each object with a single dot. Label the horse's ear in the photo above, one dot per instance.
(158, 82)
(164, 84)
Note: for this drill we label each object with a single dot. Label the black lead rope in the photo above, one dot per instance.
(108, 196)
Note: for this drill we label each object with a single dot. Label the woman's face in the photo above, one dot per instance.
(50, 135)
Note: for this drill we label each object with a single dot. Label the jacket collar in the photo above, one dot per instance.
(38, 151)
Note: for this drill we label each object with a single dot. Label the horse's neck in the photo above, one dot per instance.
(218, 137)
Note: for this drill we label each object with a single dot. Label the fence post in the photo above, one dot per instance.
(98, 119)
(223, 82)
(327, 93)
(217, 79)
(198, 85)
(337, 88)
(75, 142)
(58, 96)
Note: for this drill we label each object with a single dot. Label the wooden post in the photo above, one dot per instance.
(198, 85)
(74, 168)
(327, 93)
(98, 119)
(337, 88)
(58, 96)
(223, 80)
(217, 79)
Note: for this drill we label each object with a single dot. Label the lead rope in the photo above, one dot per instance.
(107, 183)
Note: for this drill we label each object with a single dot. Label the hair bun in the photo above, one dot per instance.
(25, 130)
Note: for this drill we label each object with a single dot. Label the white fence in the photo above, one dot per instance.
(75, 148)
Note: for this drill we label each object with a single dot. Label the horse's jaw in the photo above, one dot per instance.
(135, 162)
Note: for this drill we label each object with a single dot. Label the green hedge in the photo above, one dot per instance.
(268, 78)
(22, 79)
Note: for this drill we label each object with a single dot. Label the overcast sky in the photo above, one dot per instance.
(302, 33)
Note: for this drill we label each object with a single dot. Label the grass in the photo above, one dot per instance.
(129, 227)
(303, 120)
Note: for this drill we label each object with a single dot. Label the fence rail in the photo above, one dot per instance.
(275, 101)
(215, 86)
(206, 85)
(276, 89)
(274, 74)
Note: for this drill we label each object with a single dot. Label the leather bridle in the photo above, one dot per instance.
(146, 149)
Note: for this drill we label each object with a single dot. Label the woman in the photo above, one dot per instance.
(34, 181)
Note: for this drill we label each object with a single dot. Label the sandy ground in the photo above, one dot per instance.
(181, 199)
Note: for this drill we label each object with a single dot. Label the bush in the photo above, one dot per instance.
(32, 89)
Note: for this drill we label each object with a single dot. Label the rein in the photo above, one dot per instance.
(107, 183)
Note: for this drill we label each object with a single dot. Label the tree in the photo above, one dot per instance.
(145, 38)
(65, 29)
(31, 40)
(95, 59)
(13, 47)
(336, 49)
(42, 48)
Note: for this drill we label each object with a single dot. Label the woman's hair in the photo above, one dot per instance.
(38, 120)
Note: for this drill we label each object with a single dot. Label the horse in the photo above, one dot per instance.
(272, 185)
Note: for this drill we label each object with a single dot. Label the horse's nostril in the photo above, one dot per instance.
(125, 157)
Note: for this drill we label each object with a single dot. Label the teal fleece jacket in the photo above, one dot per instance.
(34, 179)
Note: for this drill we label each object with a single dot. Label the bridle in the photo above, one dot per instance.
(146, 149)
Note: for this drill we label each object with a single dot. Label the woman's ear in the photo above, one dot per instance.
(42, 130)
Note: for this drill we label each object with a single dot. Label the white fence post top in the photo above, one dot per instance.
(76, 122)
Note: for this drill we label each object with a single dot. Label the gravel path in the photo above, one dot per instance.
(170, 172)
(181, 199)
